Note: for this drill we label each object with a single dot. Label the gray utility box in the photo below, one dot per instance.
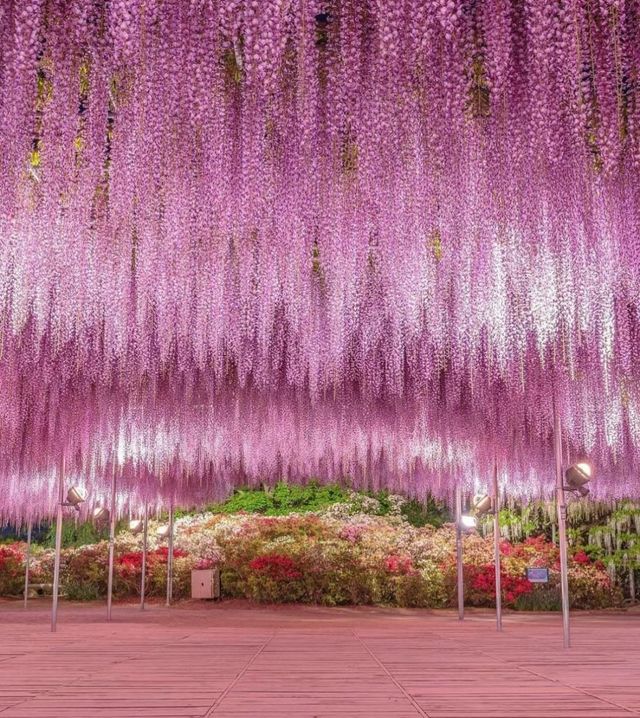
(205, 583)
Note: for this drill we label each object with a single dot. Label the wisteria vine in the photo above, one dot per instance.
(315, 237)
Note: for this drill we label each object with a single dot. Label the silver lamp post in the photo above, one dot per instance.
(27, 565)
(56, 563)
(459, 566)
(112, 541)
(483, 505)
(496, 546)
(75, 496)
(562, 528)
(142, 526)
(467, 522)
(166, 532)
(170, 558)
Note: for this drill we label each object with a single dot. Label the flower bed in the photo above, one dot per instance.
(331, 557)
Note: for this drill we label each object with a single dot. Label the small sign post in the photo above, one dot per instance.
(538, 575)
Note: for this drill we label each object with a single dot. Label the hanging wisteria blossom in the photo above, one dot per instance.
(243, 239)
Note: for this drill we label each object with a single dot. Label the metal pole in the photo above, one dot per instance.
(143, 576)
(459, 554)
(170, 558)
(27, 564)
(496, 546)
(562, 528)
(56, 565)
(112, 541)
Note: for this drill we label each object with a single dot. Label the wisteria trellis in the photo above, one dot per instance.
(247, 238)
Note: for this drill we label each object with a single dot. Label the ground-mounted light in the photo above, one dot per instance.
(162, 532)
(468, 522)
(136, 526)
(100, 514)
(76, 496)
(577, 476)
(482, 505)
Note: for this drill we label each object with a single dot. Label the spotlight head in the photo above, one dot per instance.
(468, 522)
(75, 496)
(162, 531)
(136, 526)
(576, 476)
(482, 505)
(100, 513)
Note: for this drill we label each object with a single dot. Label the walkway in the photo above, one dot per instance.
(232, 661)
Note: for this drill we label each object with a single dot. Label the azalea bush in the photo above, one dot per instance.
(347, 553)
(11, 570)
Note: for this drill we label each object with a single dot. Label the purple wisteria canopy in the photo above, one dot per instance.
(376, 239)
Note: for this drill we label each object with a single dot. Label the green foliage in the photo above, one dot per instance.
(542, 598)
(432, 512)
(424, 589)
(285, 499)
(84, 573)
(518, 522)
(74, 535)
(282, 499)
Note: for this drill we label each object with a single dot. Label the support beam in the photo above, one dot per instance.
(56, 564)
(496, 545)
(562, 527)
(143, 576)
(170, 558)
(112, 541)
(459, 564)
(27, 565)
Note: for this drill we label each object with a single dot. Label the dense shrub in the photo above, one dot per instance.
(283, 499)
(11, 570)
(346, 554)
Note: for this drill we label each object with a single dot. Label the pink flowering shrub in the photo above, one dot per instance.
(326, 558)
(401, 565)
(11, 570)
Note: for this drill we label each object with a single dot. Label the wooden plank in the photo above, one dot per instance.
(234, 661)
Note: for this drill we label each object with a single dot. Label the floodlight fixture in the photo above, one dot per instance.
(483, 505)
(162, 532)
(577, 476)
(468, 522)
(75, 496)
(136, 526)
(100, 513)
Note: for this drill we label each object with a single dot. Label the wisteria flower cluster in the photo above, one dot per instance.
(244, 239)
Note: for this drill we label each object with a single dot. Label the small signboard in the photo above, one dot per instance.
(538, 575)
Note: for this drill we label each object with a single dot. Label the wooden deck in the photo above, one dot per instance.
(238, 661)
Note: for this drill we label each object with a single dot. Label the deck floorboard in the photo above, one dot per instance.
(234, 661)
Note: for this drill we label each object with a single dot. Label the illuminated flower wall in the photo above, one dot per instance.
(249, 238)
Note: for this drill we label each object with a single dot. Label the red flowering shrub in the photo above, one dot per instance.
(534, 551)
(590, 586)
(129, 562)
(162, 553)
(274, 578)
(11, 570)
(402, 565)
(482, 586)
(276, 567)
(204, 564)
(128, 572)
(506, 548)
(331, 561)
